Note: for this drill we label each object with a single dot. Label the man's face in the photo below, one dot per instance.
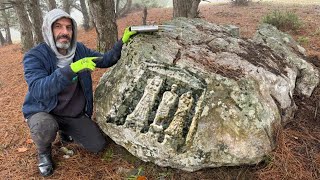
(62, 32)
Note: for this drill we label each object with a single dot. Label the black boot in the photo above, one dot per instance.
(45, 164)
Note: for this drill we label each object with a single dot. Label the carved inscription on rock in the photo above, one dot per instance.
(173, 134)
(173, 113)
(139, 117)
(168, 102)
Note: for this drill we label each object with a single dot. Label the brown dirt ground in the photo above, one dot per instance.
(297, 155)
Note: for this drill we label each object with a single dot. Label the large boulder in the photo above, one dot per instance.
(200, 96)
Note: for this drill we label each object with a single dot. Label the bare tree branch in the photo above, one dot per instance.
(9, 7)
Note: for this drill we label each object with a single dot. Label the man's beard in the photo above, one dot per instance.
(63, 45)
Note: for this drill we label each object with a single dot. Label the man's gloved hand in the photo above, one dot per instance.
(83, 64)
(127, 34)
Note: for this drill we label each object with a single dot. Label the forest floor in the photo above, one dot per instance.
(297, 155)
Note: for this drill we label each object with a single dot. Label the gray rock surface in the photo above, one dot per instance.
(201, 96)
(291, 53)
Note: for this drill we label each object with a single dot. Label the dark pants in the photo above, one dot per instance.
(83, 130)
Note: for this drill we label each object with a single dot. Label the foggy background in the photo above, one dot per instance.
(77, 15)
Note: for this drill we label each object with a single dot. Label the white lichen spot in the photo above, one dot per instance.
(251, 113)
(205, 111)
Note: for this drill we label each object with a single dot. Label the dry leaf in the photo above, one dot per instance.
(29, 141)
(141, 178)
(23, 149)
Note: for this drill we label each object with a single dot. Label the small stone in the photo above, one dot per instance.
(66, 156)
(66, 151)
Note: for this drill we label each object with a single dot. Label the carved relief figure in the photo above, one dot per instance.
(195, 120)
(168, 101)
(176, 126)
(141, 113)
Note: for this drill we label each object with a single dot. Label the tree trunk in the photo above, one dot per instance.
(5, 18)
(51, 4)
(240, 2)
(193, 12)
(2, 40)
(86, 24)
(117, 6)
(105, 21)
(36, 19)
(66, 5)
(186, 8)
(123, 7)
(91, 18)
(145, 14)
(7, 31)
(25, 24)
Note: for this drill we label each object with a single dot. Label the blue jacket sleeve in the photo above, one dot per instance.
(109, 58)
(41, 82)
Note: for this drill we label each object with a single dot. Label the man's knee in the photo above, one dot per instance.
(43, 127)
(98, 146)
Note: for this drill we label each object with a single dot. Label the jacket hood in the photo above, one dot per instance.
(47, 33)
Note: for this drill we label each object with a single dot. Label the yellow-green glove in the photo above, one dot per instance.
(127, 34)
(83, 64)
